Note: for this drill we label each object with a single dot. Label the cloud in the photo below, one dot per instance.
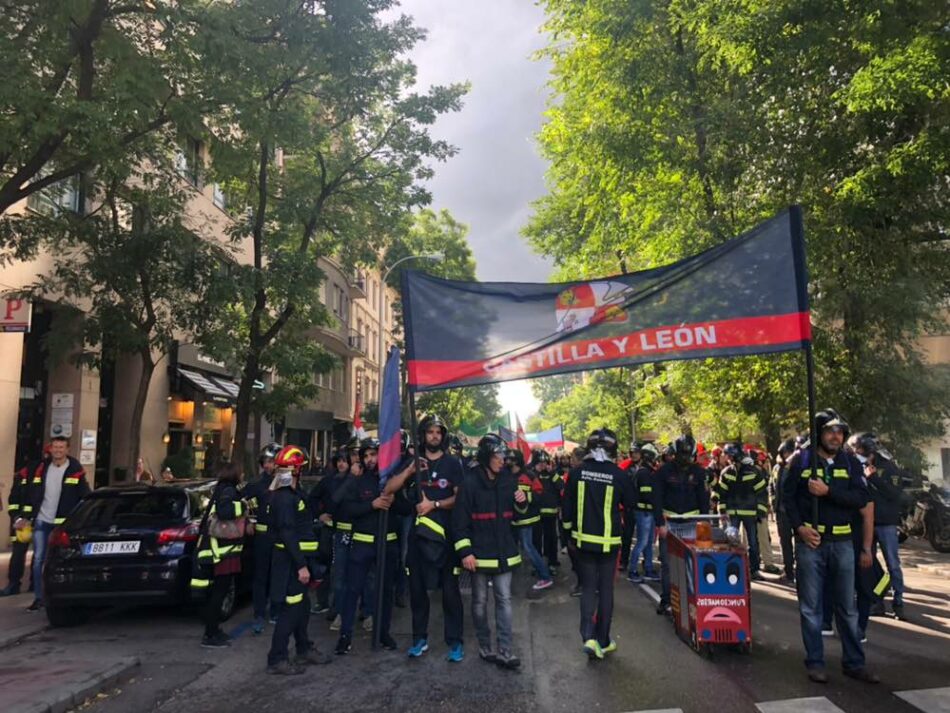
(490, 184)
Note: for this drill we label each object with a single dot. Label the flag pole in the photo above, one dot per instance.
(812, 435)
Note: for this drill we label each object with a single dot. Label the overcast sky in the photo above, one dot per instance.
(490, 184)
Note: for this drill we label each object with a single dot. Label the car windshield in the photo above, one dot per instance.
(129, 509)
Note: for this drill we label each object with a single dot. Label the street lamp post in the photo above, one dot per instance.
(380, 360)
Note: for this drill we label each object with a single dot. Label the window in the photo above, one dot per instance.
(188, 160)
(61, 196)
(218, 196)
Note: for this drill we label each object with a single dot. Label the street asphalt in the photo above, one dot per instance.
(652, 669)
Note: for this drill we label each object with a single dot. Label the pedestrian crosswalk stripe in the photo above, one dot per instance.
(650, 592)
(818, 704)
(931, 700)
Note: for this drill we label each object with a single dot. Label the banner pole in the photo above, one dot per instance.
(382, 529)
(812, 435)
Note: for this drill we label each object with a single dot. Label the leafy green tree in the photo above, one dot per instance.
(679, 124)
(325, 151)
(87, 83)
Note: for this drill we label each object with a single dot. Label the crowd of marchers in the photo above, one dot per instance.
(445, 516)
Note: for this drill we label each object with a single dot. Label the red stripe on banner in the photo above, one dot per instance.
(389, 453)
(659, 341)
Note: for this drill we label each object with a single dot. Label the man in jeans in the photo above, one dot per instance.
(643, 478)
(823, 492)
(56, 487)
(484, 541)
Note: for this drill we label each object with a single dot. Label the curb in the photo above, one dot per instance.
(67, 696)
(15, 636)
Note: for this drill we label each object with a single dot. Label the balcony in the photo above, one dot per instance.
(357, 342)
(357, 284)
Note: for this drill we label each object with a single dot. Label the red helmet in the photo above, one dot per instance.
(293, 457)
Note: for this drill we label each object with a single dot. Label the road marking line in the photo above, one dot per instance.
(651, 593)
(659, 710)
(929, 700)
(817, 704)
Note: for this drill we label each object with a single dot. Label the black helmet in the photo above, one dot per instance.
(787, 447)
(684, 448)
(368, 444)
(454, 445)
(830, 418)
(635, 448)
(539, 455)
(603, 438)
(649, 453)
(425, 424)
(867, 443)
(514, 455)
(733, 451)
(489, 445)
(269, 452)
(405, 441)
(351, 445)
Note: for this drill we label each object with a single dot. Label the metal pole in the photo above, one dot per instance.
(812, 435)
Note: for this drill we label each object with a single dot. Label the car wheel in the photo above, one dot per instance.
(65, 616)
(227, 604)
(940, 541)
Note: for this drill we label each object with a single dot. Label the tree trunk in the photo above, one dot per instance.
(250, 374)
(138, 407)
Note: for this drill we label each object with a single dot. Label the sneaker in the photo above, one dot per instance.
(576, 590)
(486, 654)
(331, 614)
(663, 608)
(336, 623)
(863, 637)
(368, 624)
(786, 580)
(771, 569)
(609, 648)
(542, 584)
(508, 660)
(272, 621)
(35, 606)
(899, 611)
(220, 640)
(861, 674)
(456, 654)
(758, 577)
(554, 568)
(651, 577)
(827, 632)
(343, 646)
(319, 609)
(313, 657)
(593, 650)
(258, 626)
(285, 668)
(9, 591)
(635, 579)
(388, 642)
(418, 648)
(817, 675)
(878, 609)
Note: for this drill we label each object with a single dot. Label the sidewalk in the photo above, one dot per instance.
(16, 623)
(57, 684)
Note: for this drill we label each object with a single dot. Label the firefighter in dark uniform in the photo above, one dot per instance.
(595, 492)
(743, 498)
(680, 490)
(644, 481)
(825, 552)
(630, 467)
(431, 555)
(20, 510)
(295, 549)
(485, 542)
(525, 522)
(361, 498)
(257, 496)
(549, 501)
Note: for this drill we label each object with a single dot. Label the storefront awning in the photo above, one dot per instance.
(215, 388)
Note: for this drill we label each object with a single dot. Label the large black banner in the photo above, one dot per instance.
(745, 296)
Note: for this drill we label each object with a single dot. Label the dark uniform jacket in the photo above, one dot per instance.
(292, 526)
(19, 504)
(644, 478)
(257, 494)
(439, 481)
(482, 520)
(836, 510)
(552, 487)
(887, 491)
(355, 497)
(595, 491)
(529, 484)
(226, 504)
(75, 488)
(743, 491)
(679, 490)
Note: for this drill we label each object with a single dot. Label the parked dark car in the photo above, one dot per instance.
(130, 545)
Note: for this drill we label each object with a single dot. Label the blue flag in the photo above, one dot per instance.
(389, 418)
